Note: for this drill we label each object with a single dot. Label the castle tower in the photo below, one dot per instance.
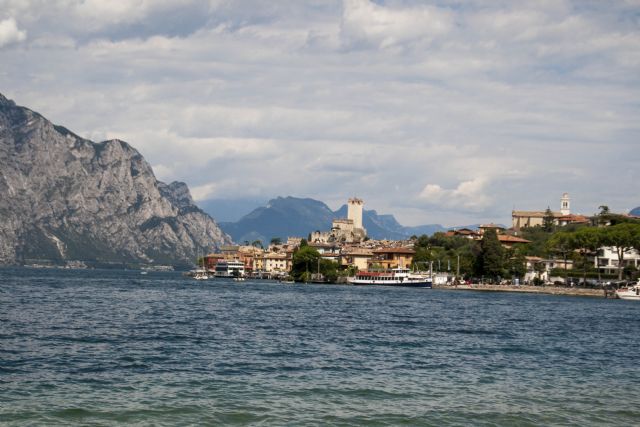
(354, 211)
(565, 205)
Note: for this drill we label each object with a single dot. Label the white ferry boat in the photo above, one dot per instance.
(632, 293)
(229, 269)
(393, 277)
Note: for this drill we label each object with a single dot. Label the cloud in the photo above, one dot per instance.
(476, 106)
(10, 33)
(468, 194)
(367, 23)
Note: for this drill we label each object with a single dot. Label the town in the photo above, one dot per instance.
(543, 247)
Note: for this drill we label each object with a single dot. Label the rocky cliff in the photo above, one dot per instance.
(66, 198)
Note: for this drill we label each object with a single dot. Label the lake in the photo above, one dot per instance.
(104, 347)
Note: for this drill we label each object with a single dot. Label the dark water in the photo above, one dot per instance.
(106, 348)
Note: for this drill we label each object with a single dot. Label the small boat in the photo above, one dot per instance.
(632, 293)
(394, 277)
(238, 279)
(200, 275)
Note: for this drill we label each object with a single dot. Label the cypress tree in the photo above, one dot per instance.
(491, 255)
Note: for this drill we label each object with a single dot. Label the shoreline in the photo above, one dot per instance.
(550, 290)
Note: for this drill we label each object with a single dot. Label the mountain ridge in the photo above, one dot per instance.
(72, 199)
(292, 216)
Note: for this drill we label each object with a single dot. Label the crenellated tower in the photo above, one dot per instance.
(354, 211)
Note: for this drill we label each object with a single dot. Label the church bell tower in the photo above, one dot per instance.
(565, 206)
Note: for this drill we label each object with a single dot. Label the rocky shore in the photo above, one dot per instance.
(554, 290)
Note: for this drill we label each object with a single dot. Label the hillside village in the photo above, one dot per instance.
(529, 251)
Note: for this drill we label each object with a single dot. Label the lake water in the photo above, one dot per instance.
(107, 347)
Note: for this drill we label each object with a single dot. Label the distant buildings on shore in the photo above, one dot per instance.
(347, 245)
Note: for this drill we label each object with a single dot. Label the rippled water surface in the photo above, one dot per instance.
(105, 348)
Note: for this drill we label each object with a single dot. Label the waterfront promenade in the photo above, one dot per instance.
(552, 290)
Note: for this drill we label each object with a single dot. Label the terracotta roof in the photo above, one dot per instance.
(492, 225)
(574, 218)
(358, 253)
(394, 251)
(505, 238)
(534, 214)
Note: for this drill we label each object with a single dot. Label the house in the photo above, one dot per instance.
(357, 257)
(464, 232)
(276, 262)
(541, 267)
(607, 259)
(508, 241)
(386, 258)
(486, 227)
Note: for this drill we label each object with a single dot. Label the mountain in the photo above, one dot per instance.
(229, 210)
(282, 217)
(291, 216)
(635, 211)
(66, 198)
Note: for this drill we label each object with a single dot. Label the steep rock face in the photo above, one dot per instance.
(67, 198)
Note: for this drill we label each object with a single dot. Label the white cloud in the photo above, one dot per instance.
(492, 104)
(468, 195)
(366, 22)
(10, 33)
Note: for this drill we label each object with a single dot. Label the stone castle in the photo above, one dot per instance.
(344, 230)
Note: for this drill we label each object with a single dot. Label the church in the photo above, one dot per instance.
(523, 219)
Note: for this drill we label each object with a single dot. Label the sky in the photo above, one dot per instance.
(451, 112)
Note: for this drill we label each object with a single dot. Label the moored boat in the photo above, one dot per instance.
(632, 293)
(200, 275)
(393, 277)
(229, 269)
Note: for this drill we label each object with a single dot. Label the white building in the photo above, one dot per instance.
(607, 259)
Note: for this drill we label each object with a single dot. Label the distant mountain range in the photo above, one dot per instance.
(291, 216)
(635, 212)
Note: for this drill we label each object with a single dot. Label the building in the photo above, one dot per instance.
(344, 230)
(607, 260)
(356, 257)
(541, 267)
(521, 219)
(508, 241)
(387, 258)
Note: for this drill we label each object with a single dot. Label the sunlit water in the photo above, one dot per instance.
(105, 348)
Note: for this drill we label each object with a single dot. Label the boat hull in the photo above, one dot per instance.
(405, 284)
(628, 295)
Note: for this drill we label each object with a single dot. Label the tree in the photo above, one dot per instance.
(548, 221)
(304, 259)
(276, 241)
(603, 215)
(257, 244)
(587, 241)
(516, 262)
(561, 243)
(622, 238)
(490, 261)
